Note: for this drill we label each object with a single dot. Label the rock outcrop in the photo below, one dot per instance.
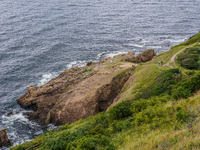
(75, 94)
(145, 56)
(4, 141)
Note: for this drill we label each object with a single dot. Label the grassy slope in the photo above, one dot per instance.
(159, 124)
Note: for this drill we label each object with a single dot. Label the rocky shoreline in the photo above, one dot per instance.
(4, 141)
(78, 93)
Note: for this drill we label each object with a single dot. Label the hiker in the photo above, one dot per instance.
(159, 63)
(99, 65)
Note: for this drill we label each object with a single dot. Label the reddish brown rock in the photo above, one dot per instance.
(75, 94)
(4, 141)
(145, 56)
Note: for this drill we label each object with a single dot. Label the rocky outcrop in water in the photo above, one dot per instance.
(4, 141)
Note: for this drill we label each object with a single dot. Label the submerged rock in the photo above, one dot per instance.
(4, 141)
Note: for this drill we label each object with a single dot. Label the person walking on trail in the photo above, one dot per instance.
(99, 65)
(159, 63)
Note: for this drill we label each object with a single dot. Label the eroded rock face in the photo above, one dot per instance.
(4, 141)
(73, 95)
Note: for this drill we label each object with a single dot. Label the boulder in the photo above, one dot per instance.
(145, 56)
(4, 141)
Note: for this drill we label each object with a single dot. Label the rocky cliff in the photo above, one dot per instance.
(4, 141)
(78, 92)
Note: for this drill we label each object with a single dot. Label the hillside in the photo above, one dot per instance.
(156, 108)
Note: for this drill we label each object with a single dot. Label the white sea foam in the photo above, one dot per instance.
(177, 40)
(46, 78)
(10, 120)
(154, 46)
(76, 63)
(136, 45)
(112, 54)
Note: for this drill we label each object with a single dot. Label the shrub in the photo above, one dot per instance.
(184, 89)
(189, 63)
(190, 57)
(164, 81)
(59, 142)
(20, 148)
(154, 115)
(117, 126)
(96, 142)
(180, 92)
(121, 110)
(182, 116)
(162, 84)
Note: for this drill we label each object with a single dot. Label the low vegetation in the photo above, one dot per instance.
(190, 58)
(158, 109)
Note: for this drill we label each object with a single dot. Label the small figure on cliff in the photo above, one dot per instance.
(99, 65)
(161, 63)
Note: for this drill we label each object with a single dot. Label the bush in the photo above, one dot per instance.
(162, 84)
(20, 148)
(96, 142)
(180, 92)
(189, 63)
(154, 115)
(185, 88)
(190, 57)
(164, 81)
(182, 116)
(121, 110)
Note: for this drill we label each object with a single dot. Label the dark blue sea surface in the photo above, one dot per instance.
(41, 38)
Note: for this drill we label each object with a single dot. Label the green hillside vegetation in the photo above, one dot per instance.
(190, 58)
(158, 109)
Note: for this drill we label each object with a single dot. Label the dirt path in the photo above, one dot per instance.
(172, 60)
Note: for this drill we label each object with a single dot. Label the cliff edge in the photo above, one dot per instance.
(78, 92)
